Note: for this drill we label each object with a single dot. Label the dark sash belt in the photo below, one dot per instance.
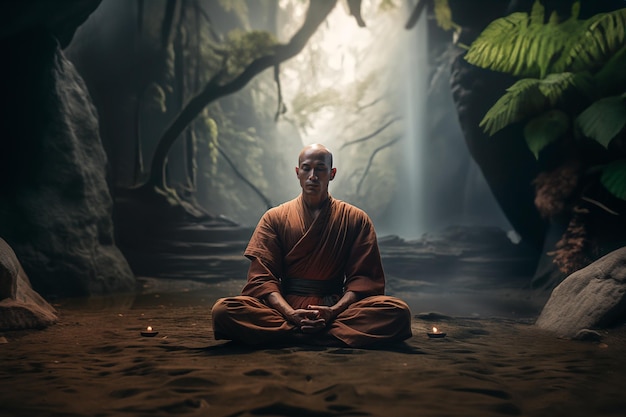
(312, 287)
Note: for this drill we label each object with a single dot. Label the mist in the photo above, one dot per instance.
(377, 96)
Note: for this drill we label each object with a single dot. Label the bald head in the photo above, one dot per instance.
(319, 149)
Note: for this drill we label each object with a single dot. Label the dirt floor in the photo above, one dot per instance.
(472, 285)
(95, 362)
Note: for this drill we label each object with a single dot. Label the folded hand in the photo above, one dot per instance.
(308, 320)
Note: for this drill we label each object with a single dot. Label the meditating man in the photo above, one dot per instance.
(316, 275)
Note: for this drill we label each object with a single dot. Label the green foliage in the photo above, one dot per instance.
(553, 59)
(604, 119)
(244, 47)
(614, 178)
(545, 129)
(519, 44)
(527, 97)
(523, 45)
(600, 37)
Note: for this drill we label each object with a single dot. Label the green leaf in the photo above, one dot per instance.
(527, 97)
(603, 120)
(545, 129)
(521, 44)
(614, 178)
(520, 100)
(599, 38)
(554, 85)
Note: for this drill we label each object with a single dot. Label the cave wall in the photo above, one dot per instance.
(55, 205)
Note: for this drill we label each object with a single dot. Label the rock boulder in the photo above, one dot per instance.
(591, 298)
(20, 306)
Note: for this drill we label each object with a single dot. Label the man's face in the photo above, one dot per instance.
(315, 172)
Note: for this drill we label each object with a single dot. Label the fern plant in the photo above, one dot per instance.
(554, 58)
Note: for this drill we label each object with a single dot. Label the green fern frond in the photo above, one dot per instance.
(520, 100)
(537, 13)
(603, 120)
(521, 44)
(545, 129)
(600, 37)
(527, 97)
(554, 85)
(613, 178)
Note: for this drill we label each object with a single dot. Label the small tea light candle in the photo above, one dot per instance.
(149, 332)
(436, 333)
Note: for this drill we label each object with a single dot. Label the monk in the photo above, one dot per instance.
(315, 275)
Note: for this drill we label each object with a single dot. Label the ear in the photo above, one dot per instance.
(333, 172)
(297, 171)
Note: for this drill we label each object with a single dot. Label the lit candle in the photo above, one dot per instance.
(436, 333)
(149, 332)
(434, 329)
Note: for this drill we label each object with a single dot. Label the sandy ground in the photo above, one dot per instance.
(94, 362)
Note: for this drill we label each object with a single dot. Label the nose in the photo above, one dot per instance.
(312, 175)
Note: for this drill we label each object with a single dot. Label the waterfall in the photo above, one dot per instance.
(407, 214)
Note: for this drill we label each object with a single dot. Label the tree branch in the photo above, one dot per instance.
(369, 162)
(316, 14)
(371, 135)
(282, 109)
(258, 192)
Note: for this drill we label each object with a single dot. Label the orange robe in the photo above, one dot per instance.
(338, 247)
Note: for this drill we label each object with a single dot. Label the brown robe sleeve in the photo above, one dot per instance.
(364, 270)
(265, 253)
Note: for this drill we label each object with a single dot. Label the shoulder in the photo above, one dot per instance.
(280, 211)
(351, 211)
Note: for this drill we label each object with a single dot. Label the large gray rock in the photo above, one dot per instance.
(20, 306)
(55, 205)
(591, 298)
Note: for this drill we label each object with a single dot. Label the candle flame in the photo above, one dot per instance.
(149, 328)
(434, 330)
